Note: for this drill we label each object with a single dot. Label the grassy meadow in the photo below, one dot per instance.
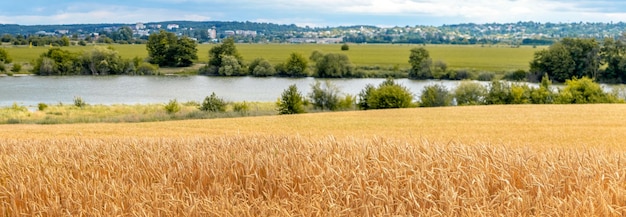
(474, 57)
(513, 160)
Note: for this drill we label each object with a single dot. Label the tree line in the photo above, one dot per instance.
(389, 94)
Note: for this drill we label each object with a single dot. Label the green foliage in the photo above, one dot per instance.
(568, 58)
(316, 55)
(172, 107)
(291, 101)
(222, 56)
(18, 108)
(334, 65)
(520, 94)
(242, 108)
(499, 93)
(57, 62)
(517, 75)
(295, 66)
(325, 97)
(42, 106)
(16, 67)
(102, 61)
(213, 104)
(165, 49)
(584, 90)
(543, 94)
(144, 68)
(347, 102)
(261, 68)
(420, 64)
(345, 47)
(435, 96)
(79, 102)
(470, 93)
(486, 76)
(388, 94)
(4, 56)
(613, 55)
(3, 67)
(230, 67)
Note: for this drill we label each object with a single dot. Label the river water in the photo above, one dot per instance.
(31, 90)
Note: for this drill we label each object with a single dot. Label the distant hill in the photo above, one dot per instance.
(469, 33)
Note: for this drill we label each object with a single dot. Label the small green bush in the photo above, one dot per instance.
(79, 102)
(172, 107)
(16, 67)
(435, 96)
(42, 106)
(241, 107)
(517, 75)
(345, 47)
(486, 76)
(213, 104)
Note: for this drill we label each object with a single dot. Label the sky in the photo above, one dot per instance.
(313, 13)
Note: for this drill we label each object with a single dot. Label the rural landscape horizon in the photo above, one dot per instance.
(313, 108)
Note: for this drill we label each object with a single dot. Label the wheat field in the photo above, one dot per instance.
(552, 160)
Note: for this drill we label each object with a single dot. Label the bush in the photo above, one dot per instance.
(18, 108)
(435, 96)
(486, 76)
(79, 102)
(261, 68)
(345, 47)
(3, 67)
(584, 90)
(42, 106)
(242, 108)
(145, 68)
(213, 104)
(4, 56)
(324, 97)
(499, 93)
(518, 75)
(387, 95)
(291, 101)
(470, 93)
(172, 107)
(334, 66)
(347, 103)
(16, 67)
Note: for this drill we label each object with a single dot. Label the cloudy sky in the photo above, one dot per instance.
(312, 12)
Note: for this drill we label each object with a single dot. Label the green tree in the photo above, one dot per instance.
(499, 93)
(613, 55)
(582, 91)
(4, 56)
(325, 97)
(217, 54)
(345, 47)
(568, 58)
(16, 67)
(172, 107)
(334, 65)
(435, 96)
(291, 101)
(213, 104)
(543, 94)
(470, 93)
(261, 68)
(57, 62)
(295, 66)
(420, 64)
(65, 41)
(230, 67)
(165, 49)
(102, 61)
(387, 95)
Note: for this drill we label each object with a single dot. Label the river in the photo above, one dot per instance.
(31, 90)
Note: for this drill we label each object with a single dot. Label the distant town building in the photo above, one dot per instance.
(172, 26)
(140, 26)
(63, 32)
(212, 33)
(229, 32)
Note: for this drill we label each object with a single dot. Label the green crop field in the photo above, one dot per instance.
(488, 58)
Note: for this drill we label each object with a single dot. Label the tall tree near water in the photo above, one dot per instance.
(165, 49)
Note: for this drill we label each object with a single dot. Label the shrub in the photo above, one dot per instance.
(261, 68)
(584, 90)
(435, 96)
(145, 68)
(42, 106)
(291, 101)
(324, 97)
(499, 93)
(518, 75)
(241, 107)
(347, 102)
(470, 93)
(345, 47)
(18, 108)
(4, 56)
(213, 104)
(387, 95)
(79, 102)
(3, 67)
(172, 107)
(486, 76)
(16, 67)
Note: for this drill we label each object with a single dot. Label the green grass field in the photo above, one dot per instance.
(488, 58)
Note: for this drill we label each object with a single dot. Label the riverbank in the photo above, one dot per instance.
(123, 113)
